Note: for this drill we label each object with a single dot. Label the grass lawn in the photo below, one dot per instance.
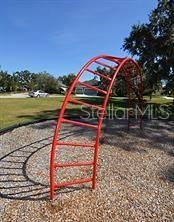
(15, 111)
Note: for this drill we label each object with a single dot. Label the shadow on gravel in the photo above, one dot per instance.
(17, 183)
(53, 114)
(15, 180)
(168, 174)
(154, 132)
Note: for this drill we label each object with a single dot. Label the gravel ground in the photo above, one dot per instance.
(135, 175)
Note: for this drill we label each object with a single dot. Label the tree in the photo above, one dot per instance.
(14, 83)
(5, 81)
(26, 80)
(170, 86)
(23, 79)
(153, 44)
(119, 87)
(67, 79)
(46, 82)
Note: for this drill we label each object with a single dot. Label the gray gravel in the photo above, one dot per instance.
(135, 175)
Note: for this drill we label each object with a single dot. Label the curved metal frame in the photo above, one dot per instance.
(121, 63)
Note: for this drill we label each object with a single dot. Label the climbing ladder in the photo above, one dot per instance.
(125, 65)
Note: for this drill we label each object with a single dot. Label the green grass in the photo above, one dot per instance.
(158, 100)
(5, 93)
(9, 93)
(15, 111)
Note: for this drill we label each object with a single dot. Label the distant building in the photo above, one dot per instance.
(84, 91)
(2, 89)
(62, 88)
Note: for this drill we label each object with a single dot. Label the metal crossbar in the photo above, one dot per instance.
(79, 123)
(85, 104)
(99, 74)
(93, 87)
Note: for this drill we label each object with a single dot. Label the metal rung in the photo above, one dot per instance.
(92, 87)
(75, 144)
(73, 164)
(99, 74)
(63, 184)
(103, 64)
(79, 123)
(114, 59)
(85, 104)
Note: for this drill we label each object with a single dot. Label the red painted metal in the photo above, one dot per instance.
(85, 104)
(103, 64)
(93, 87)
(120, 64)
(99, 74)
(79, 123)
(73, 164)
(74, 144)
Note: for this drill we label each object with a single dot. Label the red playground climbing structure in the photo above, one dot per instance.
(131, 73)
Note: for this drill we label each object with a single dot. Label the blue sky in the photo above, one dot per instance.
(59, 36)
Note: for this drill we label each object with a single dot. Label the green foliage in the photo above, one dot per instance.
(170, 86)
(5, 81)
(46, 82)
(25, 80)
(153, 44)
(119, 87)
(67, 79)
